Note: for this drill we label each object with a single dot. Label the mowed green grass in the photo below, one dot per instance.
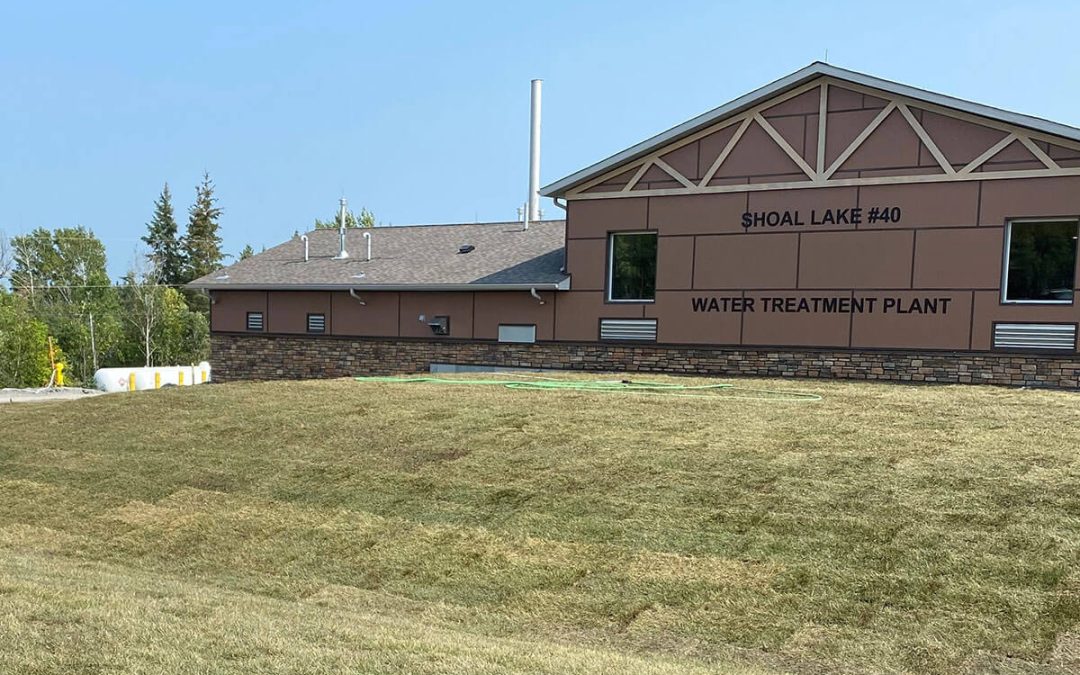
(336, 526)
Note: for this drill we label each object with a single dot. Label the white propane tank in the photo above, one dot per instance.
(137, 379)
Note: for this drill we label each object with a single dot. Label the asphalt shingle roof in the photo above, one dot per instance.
(420, 256)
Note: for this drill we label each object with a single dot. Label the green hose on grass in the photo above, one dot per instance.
(540, 383)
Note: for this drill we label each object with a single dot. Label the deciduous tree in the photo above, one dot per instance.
(24, 345)
(62, 276)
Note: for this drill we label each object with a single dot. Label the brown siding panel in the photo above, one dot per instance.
(767, 326)
(288, 310)
(697, 214)
(577, 315)
(892, 143)
(230, 308)
(856, 259)
(756, 154)
(674, 263)
(924, 205)
(958, 140)
(678, 323)
(960, 258)
(597, 217)
(1029, 197)
(947, 329)
(988, 309)
(745, 261)
(378, 316)
(586, 261)
(806, 201)
(458, 306)
(519, 307)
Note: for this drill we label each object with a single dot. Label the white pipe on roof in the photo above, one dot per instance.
(342, 253)
(534, 154)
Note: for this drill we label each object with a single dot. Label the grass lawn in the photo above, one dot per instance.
(334, 526)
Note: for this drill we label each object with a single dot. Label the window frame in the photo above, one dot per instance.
(609, 276)
(262, 322)
(307, 323)
(1003, 297)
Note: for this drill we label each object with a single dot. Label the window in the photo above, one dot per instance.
(1040, 263)
(632, 267)
(255, 321)
(517, 333)
(316, 323)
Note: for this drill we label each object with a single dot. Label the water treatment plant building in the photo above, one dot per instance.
(830, 224)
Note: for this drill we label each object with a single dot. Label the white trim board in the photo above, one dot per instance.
(842, 182)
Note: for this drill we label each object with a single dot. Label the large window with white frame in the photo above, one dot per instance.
(1040, 261)
(631, 267)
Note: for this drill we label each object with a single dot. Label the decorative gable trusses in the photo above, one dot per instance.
(831, 131)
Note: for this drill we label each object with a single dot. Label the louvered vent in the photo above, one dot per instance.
(1035, 336)
(255, 321)
(316, 323)
(643, 330)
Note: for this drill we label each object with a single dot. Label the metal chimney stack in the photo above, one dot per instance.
(342, 253)
(533, 211)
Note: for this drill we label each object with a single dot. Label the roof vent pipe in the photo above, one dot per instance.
(534, 155)
(304, 239)
(342, 253)
(367, 236)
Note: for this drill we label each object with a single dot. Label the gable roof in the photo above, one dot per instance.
(416, 257)
(813, 71)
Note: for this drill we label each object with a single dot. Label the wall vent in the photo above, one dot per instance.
(316, 323)
(255, 321)
(639, 330)
(1055, 336)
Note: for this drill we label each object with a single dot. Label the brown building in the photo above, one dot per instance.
(827, 224)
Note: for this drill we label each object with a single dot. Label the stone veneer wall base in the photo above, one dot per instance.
(269, 357)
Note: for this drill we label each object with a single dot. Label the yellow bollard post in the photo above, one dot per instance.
(131, 382)
(157, 380)
(59, 374)
(180, 374)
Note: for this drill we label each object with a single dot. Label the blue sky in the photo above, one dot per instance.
(419, 110)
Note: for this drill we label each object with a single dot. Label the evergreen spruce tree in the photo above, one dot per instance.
(166, 251)
(202, 243)
(246, 252)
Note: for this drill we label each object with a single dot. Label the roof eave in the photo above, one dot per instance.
(562, 285)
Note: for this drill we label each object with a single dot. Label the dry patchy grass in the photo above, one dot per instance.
(423, 528)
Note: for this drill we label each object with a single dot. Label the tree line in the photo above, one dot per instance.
(62, 306)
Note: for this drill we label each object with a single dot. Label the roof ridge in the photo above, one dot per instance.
(549, 221)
